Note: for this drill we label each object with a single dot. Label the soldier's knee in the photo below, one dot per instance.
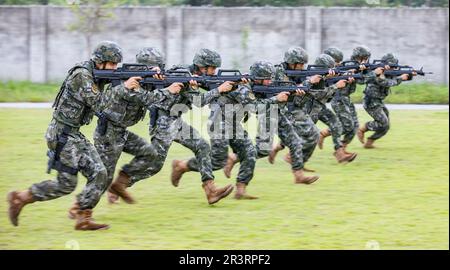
(68, 183)
(203, 147)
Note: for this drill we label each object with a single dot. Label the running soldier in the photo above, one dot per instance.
(70, 151)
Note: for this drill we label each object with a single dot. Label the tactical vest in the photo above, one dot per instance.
(70, 109)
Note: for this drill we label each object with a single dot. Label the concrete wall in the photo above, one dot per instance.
(35, 43)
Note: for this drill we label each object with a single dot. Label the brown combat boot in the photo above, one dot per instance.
(369, 144)
(119, 186)
(273, 153)
(179, 167)
(360, 133)
(341, 156)
(73, 211)
(352, 154)
(17, 200)
(214, 194)
(231, 161)
(322, 135)
(301, 178)
(112, 198)
(86, 223)
(241, 193)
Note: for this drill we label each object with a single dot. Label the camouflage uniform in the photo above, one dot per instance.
(239, 141)
(345, 109)
(121, 109)
(374, 94)
(75, 106)
(316, 105)
(341, 102)
(301, 121)
(166, 128)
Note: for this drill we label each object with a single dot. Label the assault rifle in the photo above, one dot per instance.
(170, 76)
(277, 87)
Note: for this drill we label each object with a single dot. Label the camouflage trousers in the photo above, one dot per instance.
(331, 120)
(117, 140)
(80, 154)
(375, 107)
(170, 129)
(346, 112)
(307, 131)
(288, 136)
(241, 146)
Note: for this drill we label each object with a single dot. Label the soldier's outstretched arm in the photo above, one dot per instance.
(388, 82)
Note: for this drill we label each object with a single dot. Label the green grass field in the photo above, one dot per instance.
(410, 92)
(396, 195)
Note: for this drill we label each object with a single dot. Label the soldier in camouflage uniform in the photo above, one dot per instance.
(314, 105)
(300, 135)
(69, 150)
(311, 107)
(121, 109)
(230, 122)
(341, 102)
(374, 94)
(167, 127)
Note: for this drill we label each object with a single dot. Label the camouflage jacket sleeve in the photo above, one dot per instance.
(388, 82)
(82, 83)
(148, 97)
(203, 98)
(367, 77)
(321, 94)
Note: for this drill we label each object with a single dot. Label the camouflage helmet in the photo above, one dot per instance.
(360, 52)
(107, 51)
(325, 60)
(262, 69)
(150, 56)
(334, 52)
(296, 55)
(207, 58)
(390, 59)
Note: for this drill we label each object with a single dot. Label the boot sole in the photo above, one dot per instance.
(225, 194)
(99, 229)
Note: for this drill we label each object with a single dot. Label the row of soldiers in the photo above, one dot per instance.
(124, 104)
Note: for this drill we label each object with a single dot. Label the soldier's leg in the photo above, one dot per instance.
(289, 137)
(109, 147)
(201, 150)
(144, 153)
(264, 136)
(334, 125)
(348, 137)
(64, 184)
(201, 163)
(135, 170)
(344, 114)
(246, 153)
(91, 166)
(380, 124)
